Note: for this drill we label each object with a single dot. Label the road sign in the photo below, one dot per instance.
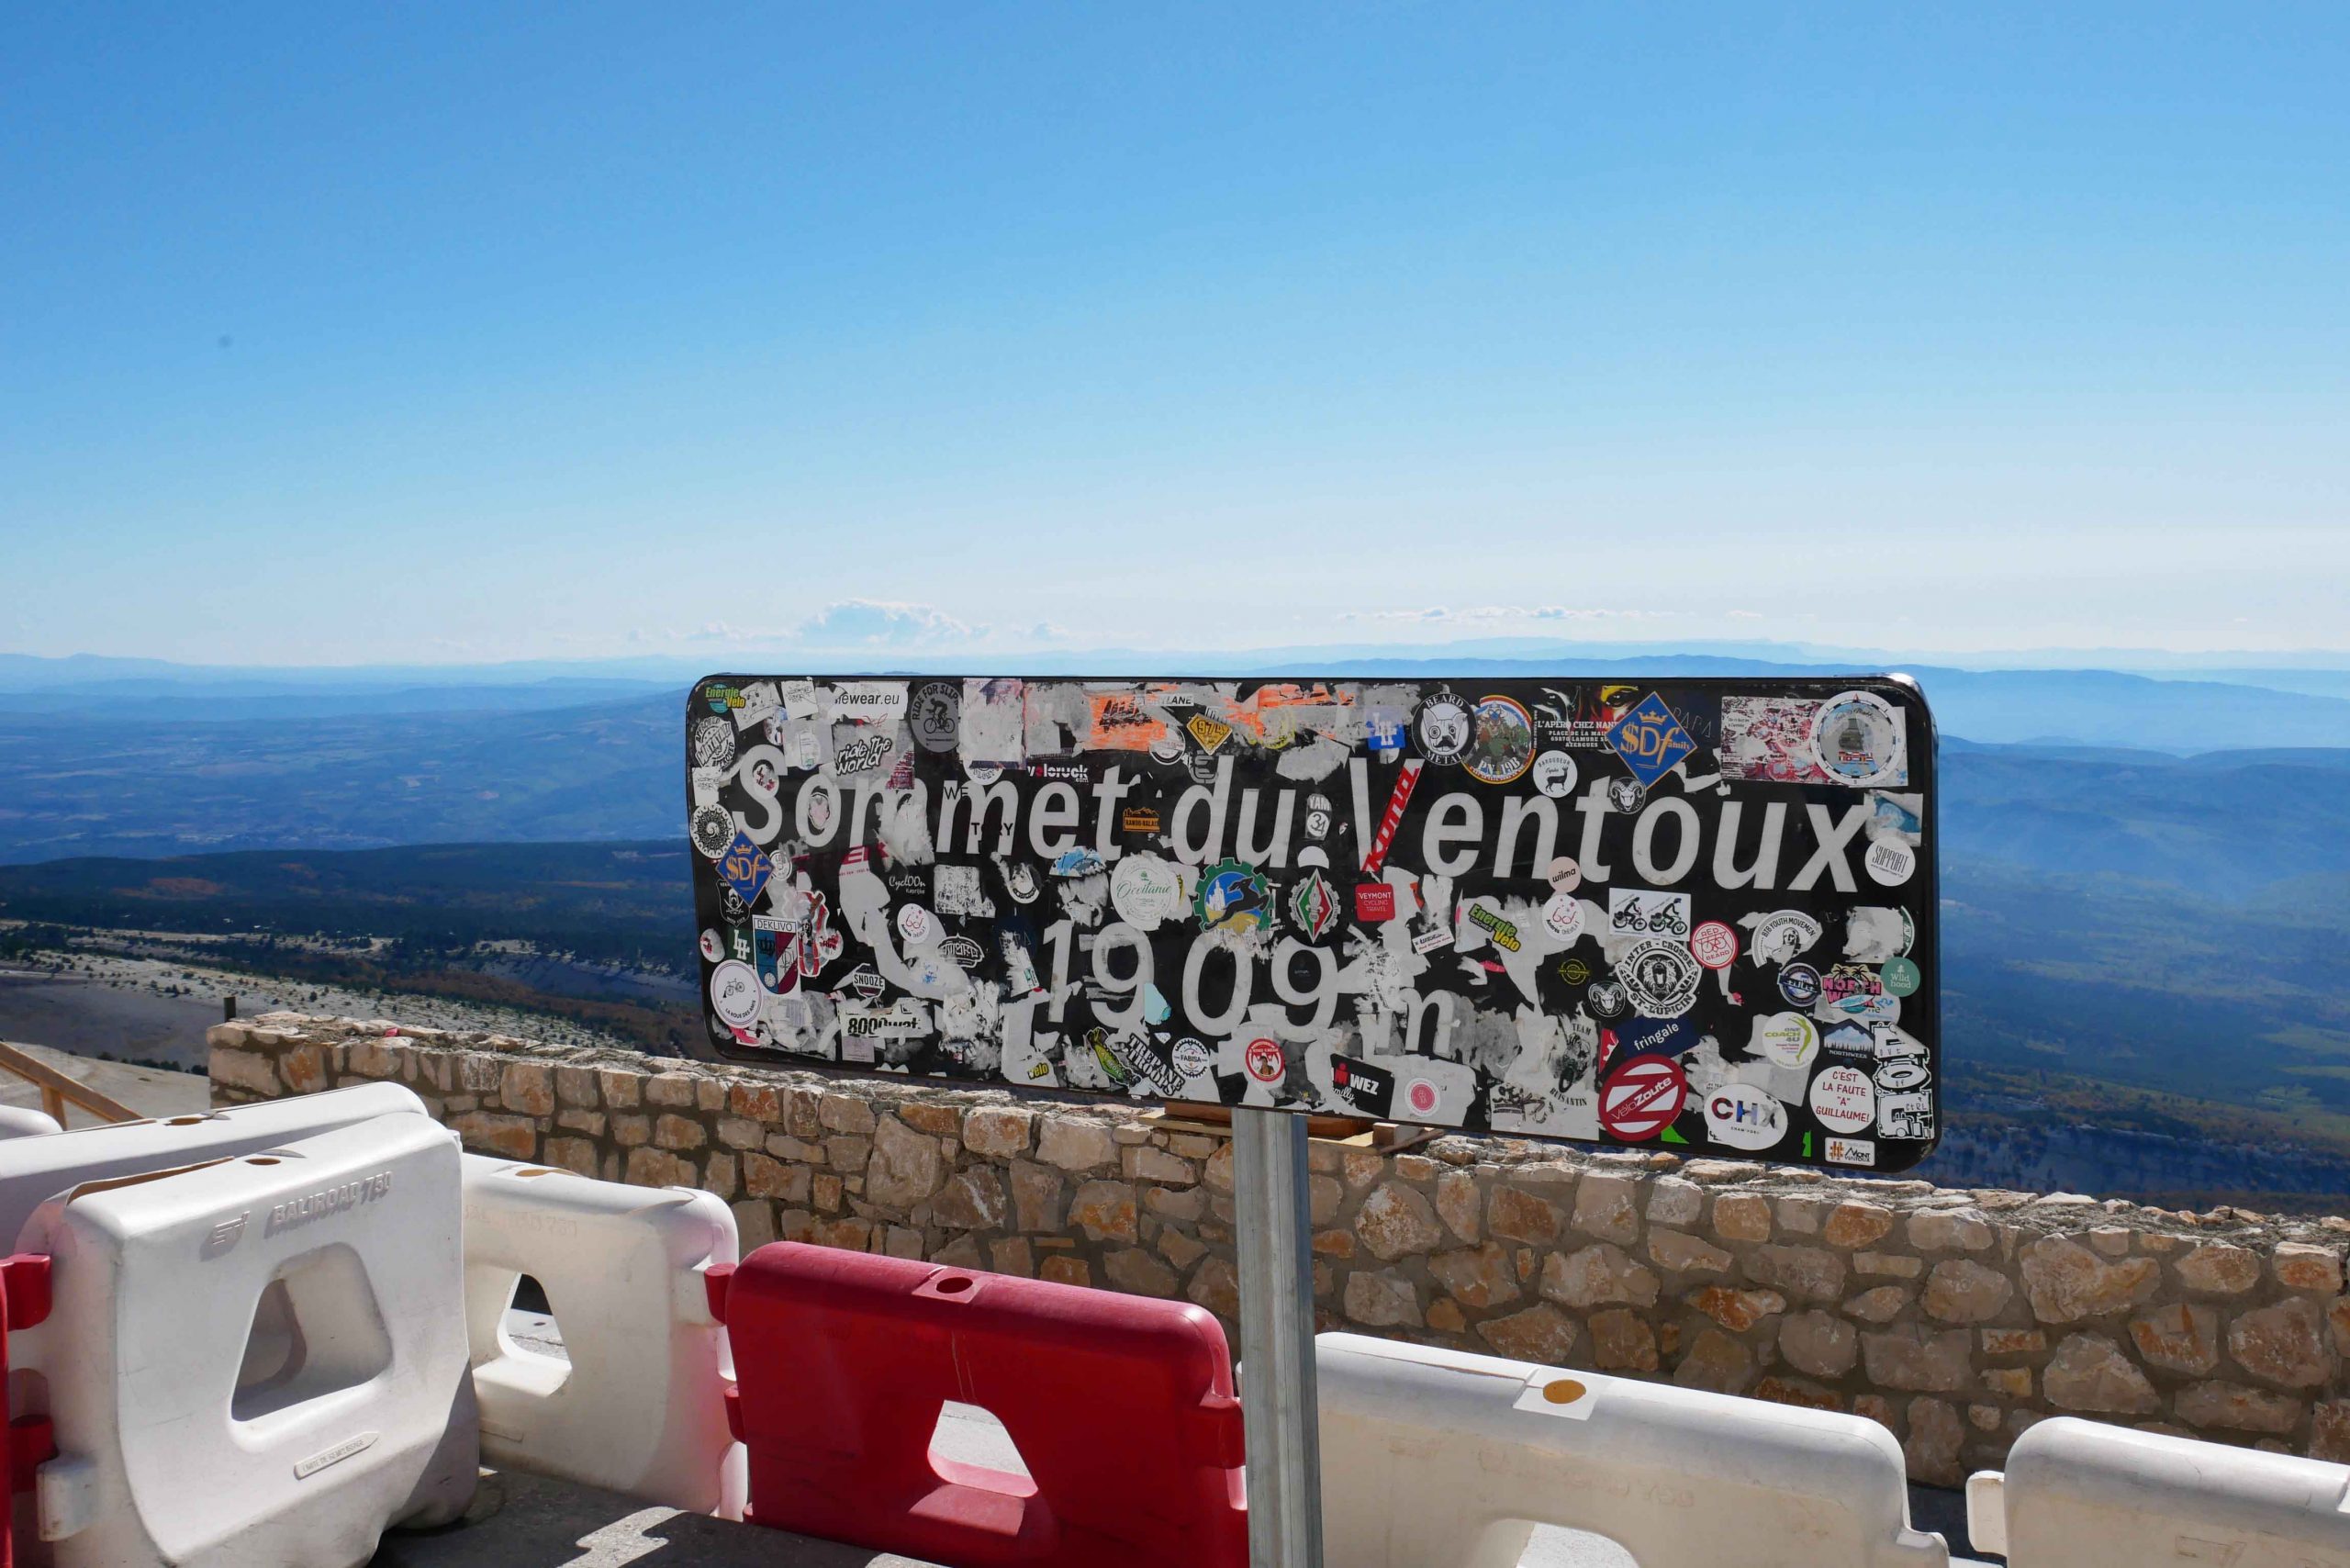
(1428, 901)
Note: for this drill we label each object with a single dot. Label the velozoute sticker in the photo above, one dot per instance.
(1694, 914)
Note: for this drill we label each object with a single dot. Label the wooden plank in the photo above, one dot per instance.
(56, 1088)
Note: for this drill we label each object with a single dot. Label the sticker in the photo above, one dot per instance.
(963, 952)
(1901, 977)
(1078, 862)
(1144, 1061)
(1191, 1057)
(914, 925)
(1743, 1116)
(1139, 820)
(1655, 1036)
(1575, 971)
(711, 947)
(1232, 898)
(861, 756)
(1651, 740)
(1313, 906)
(1563, 875)
(1504, 932)
(744, 869)
(1429, 941)
(1633, 912)
(1444, 727)
(1021, 880)
(1784, 1039)
(1264, 1062)
(1566, 1397)
(774, 953)
(1503, 747)
(934, 713)
(1375, 858)
(721, 697)
(1209, 733)
(958, 890)
(1714, 944)
(1421, 1097)
(1858, 738)
(1800, 984)
(1370, 1089)
(1889, 862)
(713, 830)
(1848, 1040)
(1660, 977)
(1845, 1099)
(1641, 1098)
(1608, 999)
(862, 979)
(1768, 740)
(713, 742)
(1554, 774)
(1903, 1074)
(1905, 1117)
(1374, 901)
(1777, 937)
(1562, 916)
(1318, 820)
(1852, 1151)
(735, 994)
(1145, 891)
(869, 701)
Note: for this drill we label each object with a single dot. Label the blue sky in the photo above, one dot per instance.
(337, 333)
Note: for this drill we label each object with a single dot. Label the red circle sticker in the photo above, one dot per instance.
(1420, 1096)
(1265, 1061)
(1714, 944)
(1642, 1099)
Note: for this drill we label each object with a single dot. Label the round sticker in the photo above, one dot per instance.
(711, 947)
(1660, 978)
(1554, 774)
(935, 713)
(1845, 1099)
(1627, 795)
(713, 743)
(713, 831)
(1857, 738)
(1191, 1057)
(1020, 881)
(914, 923)
(1900, 976)
(1145, 890)
(1800, 984)
(1444, 727)
(1789, 1039)
(734, 994)
(1420, 1097)
(1743, 1116)
(1562, 916)
(1642, 1097)
(1264, 1062)
(1714, 944)
(1565, 875)
(1890, 862)
(1504, 744)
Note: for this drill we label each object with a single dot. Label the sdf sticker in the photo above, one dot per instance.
(1651, 740)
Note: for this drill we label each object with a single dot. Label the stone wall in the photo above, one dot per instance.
(1955, 1317)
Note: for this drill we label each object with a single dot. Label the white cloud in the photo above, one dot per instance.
(882, 623)
(1493, 614)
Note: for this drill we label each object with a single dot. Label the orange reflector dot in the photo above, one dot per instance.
(1562, 1391)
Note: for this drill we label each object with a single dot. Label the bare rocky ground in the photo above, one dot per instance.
(155, 1010)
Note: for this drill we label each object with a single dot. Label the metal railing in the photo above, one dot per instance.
(59, 1089)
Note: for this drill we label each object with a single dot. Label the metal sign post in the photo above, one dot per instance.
(1277, 1386)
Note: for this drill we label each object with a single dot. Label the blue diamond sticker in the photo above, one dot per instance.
(1650, 740)
(745, 867)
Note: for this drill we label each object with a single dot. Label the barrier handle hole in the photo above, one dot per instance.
(261, 1160)
(955, 1284)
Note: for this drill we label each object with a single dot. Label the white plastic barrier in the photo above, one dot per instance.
(2083, 1494)
(1435, 1459)
(23, 1121)
(33, 1170)
(259, 1361)
(639, 1405)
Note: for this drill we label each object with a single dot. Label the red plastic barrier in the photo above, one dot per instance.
(27, 1441)
(1123, 1408)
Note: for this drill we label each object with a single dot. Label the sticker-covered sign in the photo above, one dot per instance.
(1694, 914)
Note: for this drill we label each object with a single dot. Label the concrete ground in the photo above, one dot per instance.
(523, 1521)
(149, 1091)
